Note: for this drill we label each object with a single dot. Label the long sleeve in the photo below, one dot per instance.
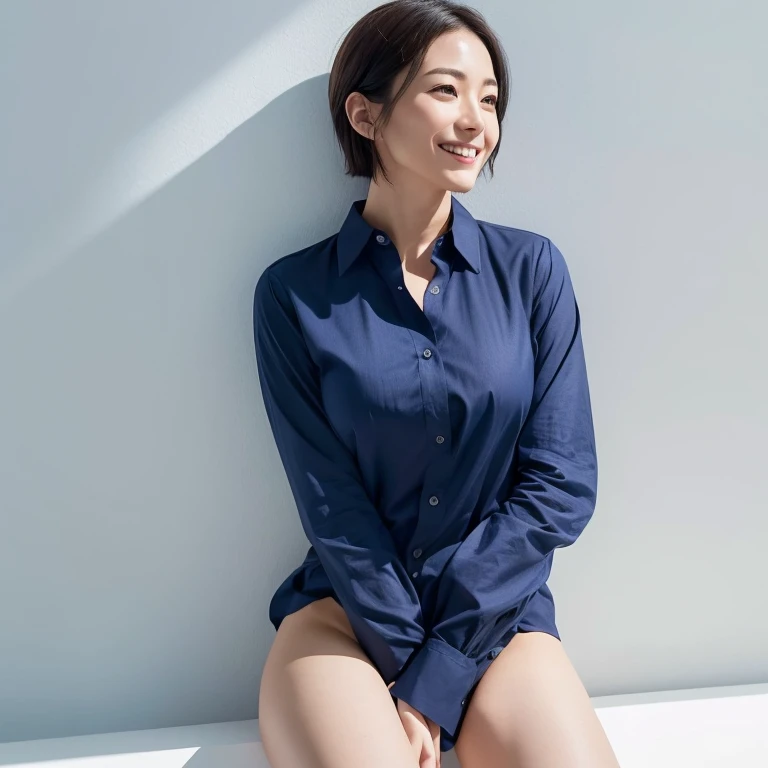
(493, 574)
(354, 546)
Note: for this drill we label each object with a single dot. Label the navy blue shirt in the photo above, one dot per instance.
(438, 456)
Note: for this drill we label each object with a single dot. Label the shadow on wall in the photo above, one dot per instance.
(135, 464)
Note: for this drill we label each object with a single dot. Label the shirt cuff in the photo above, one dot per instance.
(437, 682)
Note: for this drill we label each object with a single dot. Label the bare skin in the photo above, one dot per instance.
(531, 710)
(417, 284)
(322, 702)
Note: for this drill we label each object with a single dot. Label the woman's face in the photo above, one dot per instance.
(442, 108)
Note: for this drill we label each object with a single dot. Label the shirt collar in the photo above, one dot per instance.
(356, 232)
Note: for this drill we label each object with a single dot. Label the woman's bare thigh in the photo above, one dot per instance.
(322, 702)
(529, 709)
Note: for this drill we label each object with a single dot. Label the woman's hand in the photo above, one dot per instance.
(434, 730)
(423, 733)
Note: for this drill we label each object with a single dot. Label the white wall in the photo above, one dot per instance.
(156, 156)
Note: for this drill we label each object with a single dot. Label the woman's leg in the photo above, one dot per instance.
(322, 703)
(531, 710)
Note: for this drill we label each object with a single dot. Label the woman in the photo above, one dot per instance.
(424, 378)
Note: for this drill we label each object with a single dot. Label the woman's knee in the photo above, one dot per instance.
(322, 702)
(531, 709)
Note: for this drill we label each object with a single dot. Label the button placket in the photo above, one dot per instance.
(435, 403)
(435, 408)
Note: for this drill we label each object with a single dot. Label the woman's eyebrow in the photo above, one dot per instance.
(458, 74)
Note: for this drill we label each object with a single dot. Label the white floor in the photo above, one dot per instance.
(701, 728)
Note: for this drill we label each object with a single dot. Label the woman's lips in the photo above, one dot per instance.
(461, 158)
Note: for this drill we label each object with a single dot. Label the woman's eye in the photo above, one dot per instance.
(441, 87)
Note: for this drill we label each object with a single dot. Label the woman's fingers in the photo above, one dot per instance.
(434, 729)
(435, 741)
(427, 758)
(419, 734)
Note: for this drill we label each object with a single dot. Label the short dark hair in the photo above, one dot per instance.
(378, 46)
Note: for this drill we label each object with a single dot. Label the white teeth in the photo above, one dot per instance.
(459, 150)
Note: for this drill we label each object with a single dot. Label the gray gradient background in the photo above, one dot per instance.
(156, 156)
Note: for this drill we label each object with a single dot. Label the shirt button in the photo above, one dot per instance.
(399, 287)
(415, 574)
(440, 240)
(463, 702)
(439, 439)
(435, 289)
(427, 353)
(417, 553)
(433, 500)
(381, 239)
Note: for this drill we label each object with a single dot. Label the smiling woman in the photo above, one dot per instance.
(424, 377)
(382, 71)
